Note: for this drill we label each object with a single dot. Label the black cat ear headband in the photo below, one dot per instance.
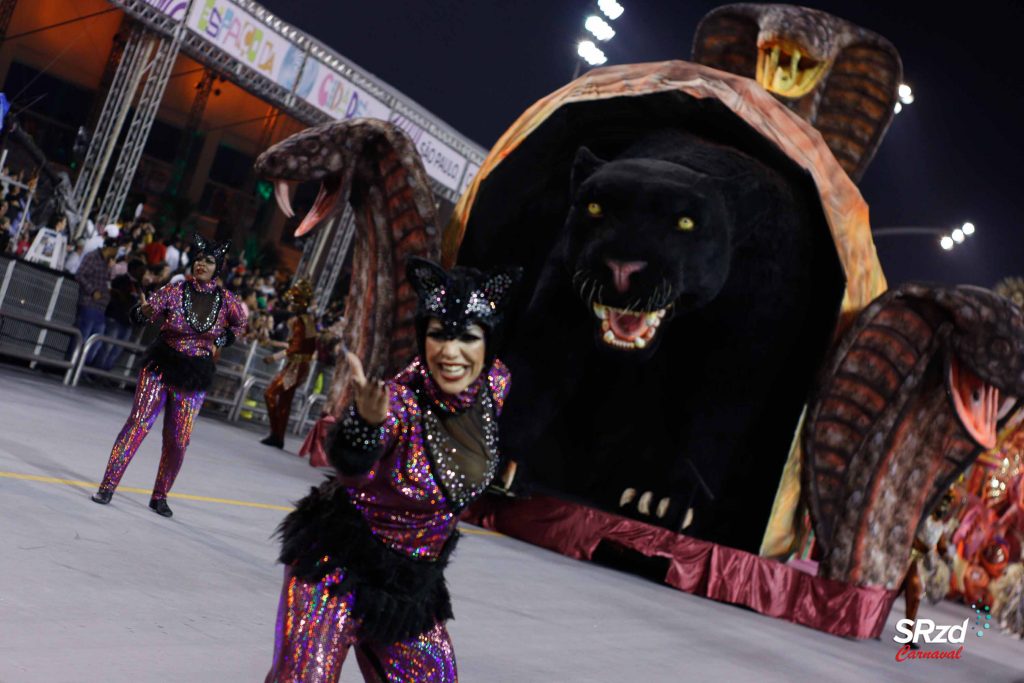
(462, 295)
(203, 248)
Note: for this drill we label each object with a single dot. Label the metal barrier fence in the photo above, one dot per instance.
(251, 406)
(236, 393)
(37, 315)
(12, 322)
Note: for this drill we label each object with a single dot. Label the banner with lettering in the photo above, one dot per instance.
(175, 9)
(244, 37)
(443, 163)
(336, 96)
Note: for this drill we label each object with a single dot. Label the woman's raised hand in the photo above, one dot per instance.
(371, 395)
(147, 309)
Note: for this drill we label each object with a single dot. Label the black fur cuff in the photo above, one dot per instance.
(357, 444)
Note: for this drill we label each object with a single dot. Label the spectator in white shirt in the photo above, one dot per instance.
(74, 258)
(173, 257)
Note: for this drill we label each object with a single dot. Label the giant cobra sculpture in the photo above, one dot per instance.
(909, 398)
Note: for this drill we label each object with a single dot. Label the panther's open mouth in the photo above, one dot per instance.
(628, 330)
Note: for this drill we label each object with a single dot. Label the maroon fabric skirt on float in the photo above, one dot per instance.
(707, 569)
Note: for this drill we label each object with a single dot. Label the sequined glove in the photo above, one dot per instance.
(357, 443)
(226, 338)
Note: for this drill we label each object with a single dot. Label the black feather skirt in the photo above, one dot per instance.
(397, 597)
(189, 373)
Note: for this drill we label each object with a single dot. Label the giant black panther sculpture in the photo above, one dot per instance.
(661, 330)
(683, 291)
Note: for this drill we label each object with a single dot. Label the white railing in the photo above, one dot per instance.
(238, 384)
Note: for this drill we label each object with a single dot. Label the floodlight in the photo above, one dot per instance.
(601, 29)
(612, 9)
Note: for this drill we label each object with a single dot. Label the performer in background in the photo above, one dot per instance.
(299, 352)
(197, 318)
(365, 552)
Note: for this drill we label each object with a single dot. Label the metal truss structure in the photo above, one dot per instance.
(320, 268)
(149, 52)
(238, 73)
(145, 55)
(111, 118)
(188, 134)
(159, 68)
(341, 242)
(6, 11)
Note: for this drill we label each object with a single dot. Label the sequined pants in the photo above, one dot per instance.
(315, 631)
(152, 395)
(279, 395)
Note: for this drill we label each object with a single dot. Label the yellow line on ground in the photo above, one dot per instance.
(183, 496)
(132, 489)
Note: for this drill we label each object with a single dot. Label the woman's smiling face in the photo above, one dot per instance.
(454, 363)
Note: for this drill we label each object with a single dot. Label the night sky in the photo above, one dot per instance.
(951, 156)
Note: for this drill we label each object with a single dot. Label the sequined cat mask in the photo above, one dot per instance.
(202, 248)
(461, 296)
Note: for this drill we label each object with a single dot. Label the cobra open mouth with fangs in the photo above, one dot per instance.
(325, 205)
(626, 329)
(785, 68)
(323, 153)
(979, 405)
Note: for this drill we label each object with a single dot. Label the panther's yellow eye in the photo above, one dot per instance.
(595, 210)
(686, 223)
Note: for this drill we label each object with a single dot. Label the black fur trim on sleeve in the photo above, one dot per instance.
(398, 596)
(227, 338)
(357, 444)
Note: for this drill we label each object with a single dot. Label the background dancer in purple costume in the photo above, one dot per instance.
(198, 318)
(365, 552)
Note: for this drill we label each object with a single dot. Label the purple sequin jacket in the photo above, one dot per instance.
(400, 497)
(175, 329)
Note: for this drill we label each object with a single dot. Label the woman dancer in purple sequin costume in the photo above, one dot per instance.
(365, 552)
(198, 317)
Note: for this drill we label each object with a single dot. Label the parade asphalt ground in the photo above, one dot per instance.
(119, 594)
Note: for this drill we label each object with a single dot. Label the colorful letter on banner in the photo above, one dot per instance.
(338, 97)
(175, 9)
(443, 163)
(243, 36)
